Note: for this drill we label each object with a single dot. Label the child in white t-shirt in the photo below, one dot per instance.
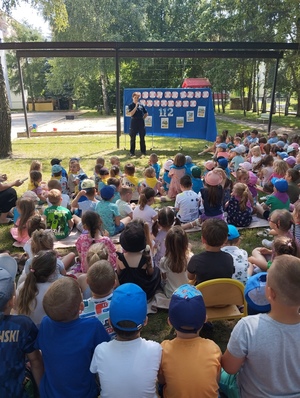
(128, 315)
(144, 210)
(240, 256)
(123, 203)
(187, 202)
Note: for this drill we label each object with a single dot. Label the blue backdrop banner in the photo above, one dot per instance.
(175, 112)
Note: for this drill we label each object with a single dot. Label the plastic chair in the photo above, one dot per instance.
(223, 297)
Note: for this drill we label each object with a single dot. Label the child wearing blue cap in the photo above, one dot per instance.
(278, 200)
(17, 338)
(127, 366)
(109, 212)
(262, 350)
(190, 365)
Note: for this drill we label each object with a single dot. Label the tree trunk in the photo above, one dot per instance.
(223, 101)
(254, 104)
(264, 98)
(298, 104)
(5, 119)
(249, 99)
(287, 104)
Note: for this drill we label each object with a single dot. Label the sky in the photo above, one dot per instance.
(29, 14)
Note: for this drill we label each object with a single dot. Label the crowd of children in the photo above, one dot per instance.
(154, 255)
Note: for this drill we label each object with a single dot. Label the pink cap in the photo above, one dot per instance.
(209, 165)
(213, 178)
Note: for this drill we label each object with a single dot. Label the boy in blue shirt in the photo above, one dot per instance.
(67, 343)
(17, 338)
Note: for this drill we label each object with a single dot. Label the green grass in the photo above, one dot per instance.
(88, 148)
(285, 121)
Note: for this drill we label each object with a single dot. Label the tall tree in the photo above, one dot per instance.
(34, 69)
(55, 11)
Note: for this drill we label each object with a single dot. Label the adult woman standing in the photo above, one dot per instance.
(8, 197)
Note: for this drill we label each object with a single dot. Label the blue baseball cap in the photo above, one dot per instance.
(107, 192)
(187, 312)
(280, 144)
(233, 232)
(283, 155)
(255, 292)
(223, 163)
(222, 145)
(128, 303)
(56, 168)
(280, 184)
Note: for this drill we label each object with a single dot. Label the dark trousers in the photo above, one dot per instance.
(137, 126)
(8, 200)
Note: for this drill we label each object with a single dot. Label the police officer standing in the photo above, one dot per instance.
(138, 114)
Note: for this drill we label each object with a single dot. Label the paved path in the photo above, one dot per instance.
(47, 121)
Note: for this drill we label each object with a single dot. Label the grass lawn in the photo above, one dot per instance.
(88, 148)
(285, 121)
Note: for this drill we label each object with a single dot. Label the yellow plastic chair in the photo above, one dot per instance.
(222, 298)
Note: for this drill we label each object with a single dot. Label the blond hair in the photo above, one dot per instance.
(242, 192)
(284, 279)
(62, 300)
(149, 172)
(101, 278)
(97, 252)
(54, 197)
(280, 167)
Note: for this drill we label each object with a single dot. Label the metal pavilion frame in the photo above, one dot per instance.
(118, 50)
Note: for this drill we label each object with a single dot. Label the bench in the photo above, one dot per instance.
(263, 117)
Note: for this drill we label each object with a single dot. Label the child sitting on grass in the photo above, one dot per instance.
(124, 202)
(57, 175)
(173, 265)
(190, 365)
(131, 181)
(18, 338)
(101, 279)
(128, 315)
(240, 256)
(30, 293)
(250, 346)
(92, 234)
(187, 202)
(97, 252)
(144, 210)
(67, 343)
(59, 219)
(26, 209)
(109, 212)
(212, 263)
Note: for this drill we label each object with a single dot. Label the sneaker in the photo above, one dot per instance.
(131, 155)
(267, 243)
(264, 233)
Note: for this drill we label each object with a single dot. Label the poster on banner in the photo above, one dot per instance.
(174, 112)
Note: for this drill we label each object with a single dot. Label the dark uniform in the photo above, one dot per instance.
(137, 126)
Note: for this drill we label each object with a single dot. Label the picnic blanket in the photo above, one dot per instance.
(71, 240)
(74, 235)
(256, 223)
